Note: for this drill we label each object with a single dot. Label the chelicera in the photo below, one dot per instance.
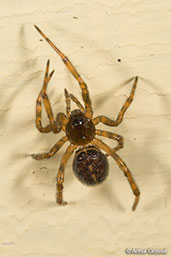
(90, 164)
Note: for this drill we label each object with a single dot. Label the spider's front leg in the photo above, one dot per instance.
(61, 119)
(71, 68)
(60, 175)
(43, 95)
(123, 167)
(68, 98)
(107, 121)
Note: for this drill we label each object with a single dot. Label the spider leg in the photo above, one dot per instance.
(61, 121)
(61, 118)
(107, 121)
(83, 86)
(45, 98)
(77, 102)
(39, 104)
(60, 175)
(68, 103)
(113, 136)
(70, 97)
(52, 151)
(123, 167)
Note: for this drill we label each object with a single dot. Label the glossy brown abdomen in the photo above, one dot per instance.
(90, 166)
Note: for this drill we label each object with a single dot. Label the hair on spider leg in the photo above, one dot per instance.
(90, 164)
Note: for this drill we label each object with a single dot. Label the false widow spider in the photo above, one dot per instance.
(90, 165)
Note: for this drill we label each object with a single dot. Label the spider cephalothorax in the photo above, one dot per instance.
(80, 130)
(90, 165)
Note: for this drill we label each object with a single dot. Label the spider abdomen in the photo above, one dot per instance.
(90, 166)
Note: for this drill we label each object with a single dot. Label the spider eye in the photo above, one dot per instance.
(77, 122)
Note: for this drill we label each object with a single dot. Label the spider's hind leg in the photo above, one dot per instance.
(123, 167)
(60, 175)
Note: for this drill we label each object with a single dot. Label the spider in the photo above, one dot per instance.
(90, 164)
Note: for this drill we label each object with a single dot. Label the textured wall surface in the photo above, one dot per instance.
(97, 221)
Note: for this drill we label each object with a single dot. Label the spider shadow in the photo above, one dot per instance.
(26, 66)
(166, 103)
(108, 192)
(95, 45)
(157, 90)
(35, 181)
(101, 98)
(153, 167)
(19, 87)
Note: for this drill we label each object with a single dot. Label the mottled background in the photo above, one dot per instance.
(109, 42)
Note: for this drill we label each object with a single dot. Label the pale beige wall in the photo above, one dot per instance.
(94, 34)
